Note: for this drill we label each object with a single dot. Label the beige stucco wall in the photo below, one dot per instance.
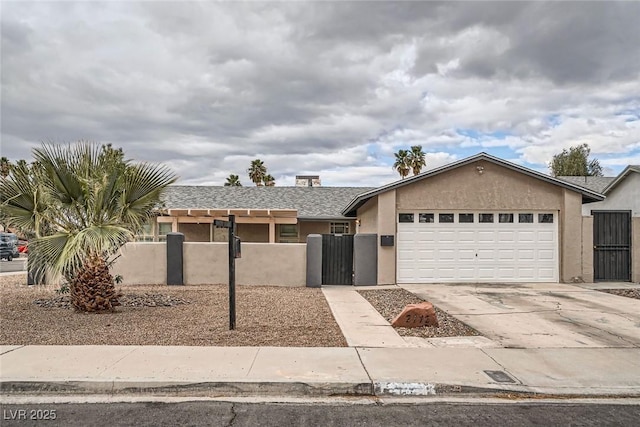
(368, 216)
(635, 250)
(571, 237)
(278, 264)
(207, 263)
(253, 232)
(142, 263)
(311, 227)
(195, 232)
(624, 197)
(496, 188)
(587, 248)
(387, 225)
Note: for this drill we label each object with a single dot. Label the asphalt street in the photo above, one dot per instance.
(319, 414)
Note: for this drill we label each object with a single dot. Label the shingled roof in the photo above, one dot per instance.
(311, 202)
(593, 183)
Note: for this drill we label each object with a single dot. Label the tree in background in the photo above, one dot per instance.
(257, 172)
(575, 162)
(402, 164)
(269, 180)
(233, 181)
(5, 167)
(416, 159)
(83, 202)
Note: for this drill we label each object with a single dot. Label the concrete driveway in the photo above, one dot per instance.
(540, 315)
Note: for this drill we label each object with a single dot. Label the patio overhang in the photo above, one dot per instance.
(242, 216)
(248, 216)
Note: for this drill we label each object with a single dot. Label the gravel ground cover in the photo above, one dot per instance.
(162, 315)
(390, 302)
(629, 293)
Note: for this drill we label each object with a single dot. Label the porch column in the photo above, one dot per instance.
(272, 230)
(174, 225)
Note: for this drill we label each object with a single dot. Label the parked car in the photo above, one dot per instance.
(9, 246)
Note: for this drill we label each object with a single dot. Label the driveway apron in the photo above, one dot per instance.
(540, 315)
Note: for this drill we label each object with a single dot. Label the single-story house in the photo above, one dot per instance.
(480, 219)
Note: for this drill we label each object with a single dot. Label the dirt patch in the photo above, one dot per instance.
(629, 293)
(181, 315)
(390, 302)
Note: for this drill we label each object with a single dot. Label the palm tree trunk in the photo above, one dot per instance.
(93, 288)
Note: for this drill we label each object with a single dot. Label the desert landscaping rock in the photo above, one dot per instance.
(629, 293)
(126, 300)
(268, 316)
(391, 302)
(416, 316)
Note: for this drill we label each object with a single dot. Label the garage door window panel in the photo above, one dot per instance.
(405, 217)
(525, 218)
(545, 218)
(465, 218)
(426, 218)
(485, 218)
(505, 218)
(445, 218)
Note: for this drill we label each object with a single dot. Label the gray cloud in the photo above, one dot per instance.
(207, 87)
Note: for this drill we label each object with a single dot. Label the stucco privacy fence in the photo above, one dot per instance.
(280, 264)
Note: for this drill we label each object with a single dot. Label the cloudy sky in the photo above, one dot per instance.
(328, 88)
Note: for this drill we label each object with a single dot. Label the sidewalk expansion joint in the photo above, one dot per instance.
(13, 349)
(502, 366)
(118, 361)
(365, 370)
(253, 362)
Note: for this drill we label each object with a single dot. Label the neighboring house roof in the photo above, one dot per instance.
(593, 183)
(587, 194)
(310, 202)
(617, 180)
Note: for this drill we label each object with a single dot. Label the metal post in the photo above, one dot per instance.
(232, 273)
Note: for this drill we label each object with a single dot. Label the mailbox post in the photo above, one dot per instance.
(234, 252)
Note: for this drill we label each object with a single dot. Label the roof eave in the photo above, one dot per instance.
(627, 171)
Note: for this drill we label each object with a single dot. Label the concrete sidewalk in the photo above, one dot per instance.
(224, 371)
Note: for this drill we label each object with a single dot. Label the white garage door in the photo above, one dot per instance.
(477, 247)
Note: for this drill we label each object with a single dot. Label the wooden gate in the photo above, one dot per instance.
(612, 246)
(337, 259)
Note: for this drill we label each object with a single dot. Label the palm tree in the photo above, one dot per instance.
(257, 171)
(402, 163)
(233, 181)
(416, 159)
(83, 202)
(269, 180)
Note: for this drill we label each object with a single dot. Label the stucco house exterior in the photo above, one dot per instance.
(612, 227)
(480, 219)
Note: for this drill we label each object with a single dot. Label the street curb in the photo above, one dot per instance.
(302, 389)
(176, 388)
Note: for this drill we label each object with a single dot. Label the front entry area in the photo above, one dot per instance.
(477, 247)
(612, 246)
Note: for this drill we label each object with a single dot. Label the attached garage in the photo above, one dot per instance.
(478, 220)
(445, 247)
